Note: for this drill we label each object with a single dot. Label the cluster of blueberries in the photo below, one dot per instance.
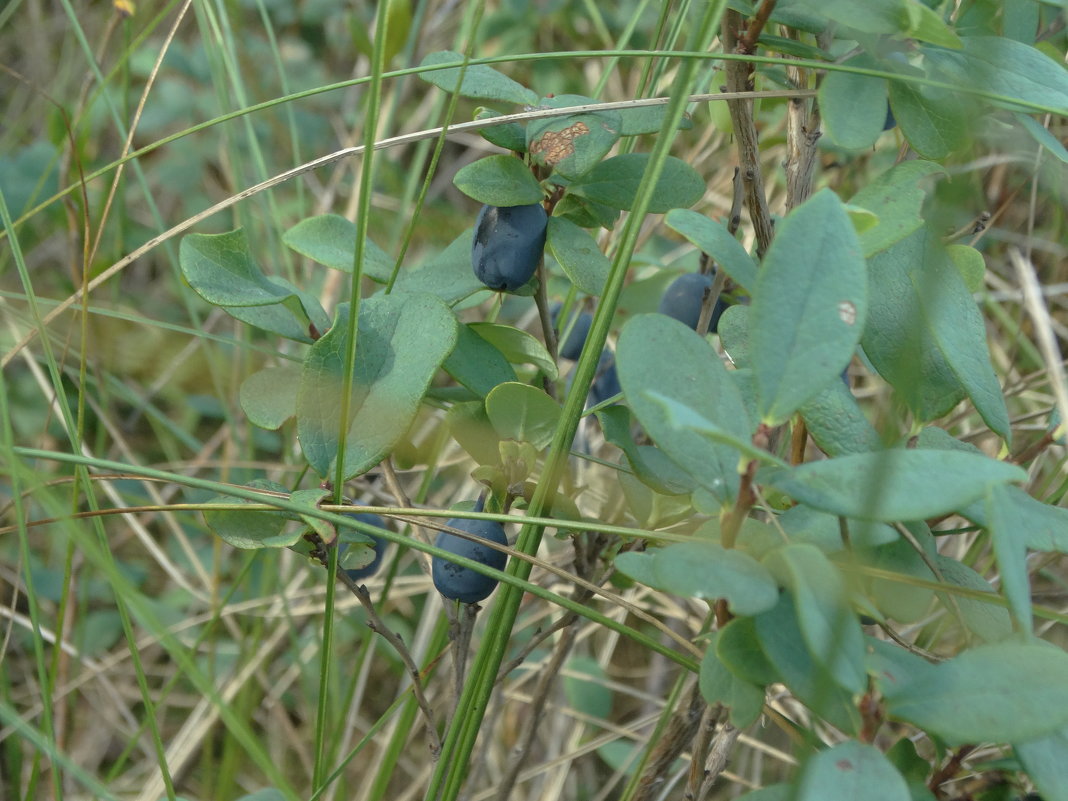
(507, 248)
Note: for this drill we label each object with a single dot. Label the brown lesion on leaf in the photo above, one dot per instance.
(555, 146)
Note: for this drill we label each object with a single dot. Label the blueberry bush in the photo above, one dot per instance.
(603, 269)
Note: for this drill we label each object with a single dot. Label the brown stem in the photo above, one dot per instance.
(542, 299)
(737, 201)
(798, 441)
(732, 521)
(747, 44)
(708, 303)
(679, 734)
(716, 761)
(802, 133)
(739, 80)
(949, 770)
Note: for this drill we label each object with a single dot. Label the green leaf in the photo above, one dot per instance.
(576, 251)
(330, 239)
(524, 413)
(874, 16)
(509, 135)
(733, 332)
(986, 619)
(480, 81)
(849, 771)
(1044, 761)
(476, 364)
(253, 529)
(499, 181)
(571, 145)
(472, 430)
(738, 648)
(809, 308)
(836, 422)
(1014, 69)
(269, 397)
(518, 347)
(828, 626)
(615, 181)
(935, 122)
(1016, 522)
(970, 264)
(647, 120)
(650, 464)
(704, 570)
(719, 685)
(853, 107)
(1003, 692)
(926, 336)
(926, 25)
(786, 650)
(650, 349)
(893, 484)
(1042, 135)
(219, 268)
(713, 238)
(449, 275)
(402, 340)
(586, 687)
(896, 198)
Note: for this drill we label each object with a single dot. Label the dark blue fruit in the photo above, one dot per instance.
(461, 583)
(890, 121)
(684, 297)
(606, 383)
(508, 245)
(571, 347)
(379, 545)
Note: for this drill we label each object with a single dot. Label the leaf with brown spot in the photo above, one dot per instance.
(575, 144)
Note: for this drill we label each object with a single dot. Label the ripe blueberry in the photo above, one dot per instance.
(508, 245)
(571, 347)
(379, 546)
(606, 383)
(461, 583)
(683, 299)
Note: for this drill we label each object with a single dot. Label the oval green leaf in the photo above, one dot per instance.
(499, 181)
(893, 484)
(809, 308)
(713, 238)
(615, 181)
(524, 413)
(576, 251)
(480, 81)
(650, 350)
(849, 771)
(402, 339)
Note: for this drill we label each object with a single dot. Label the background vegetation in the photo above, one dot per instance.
(143, 656)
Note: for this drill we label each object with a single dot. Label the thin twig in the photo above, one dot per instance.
(374, 622)
(708, 304)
